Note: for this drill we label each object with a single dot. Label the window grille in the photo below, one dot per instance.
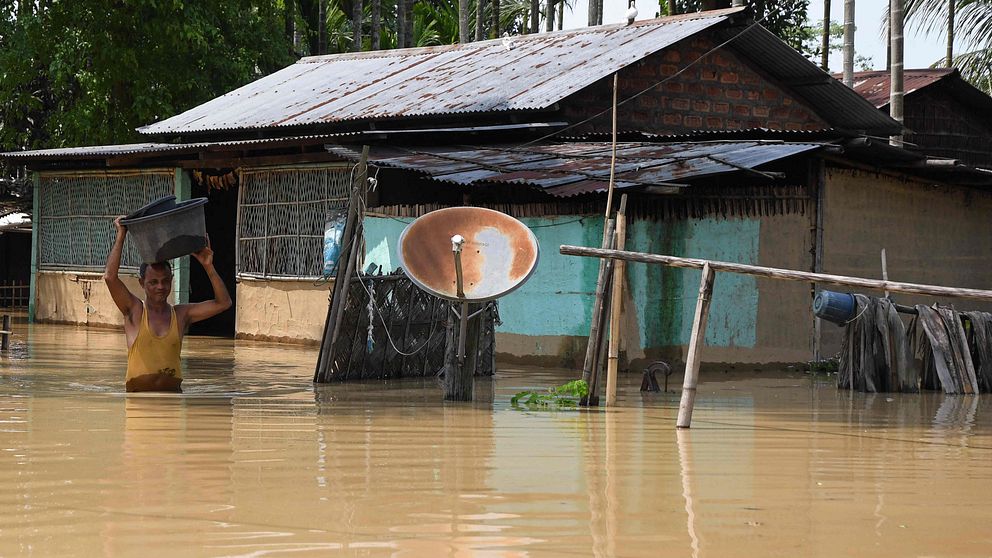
(77, 212)
(281, 217)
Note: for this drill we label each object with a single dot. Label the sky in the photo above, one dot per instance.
(921, 51)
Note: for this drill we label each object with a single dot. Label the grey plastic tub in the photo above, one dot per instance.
(165, 229)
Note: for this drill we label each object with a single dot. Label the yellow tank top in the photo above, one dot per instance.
(151, 354)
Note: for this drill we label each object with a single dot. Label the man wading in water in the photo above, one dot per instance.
(154, 328)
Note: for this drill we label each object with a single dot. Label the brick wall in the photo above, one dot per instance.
(720, 92)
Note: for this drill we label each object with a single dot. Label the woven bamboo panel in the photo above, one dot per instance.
(407, 337)
(77, 214)
(281, 218)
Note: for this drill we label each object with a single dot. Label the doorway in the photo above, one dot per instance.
(221, 212)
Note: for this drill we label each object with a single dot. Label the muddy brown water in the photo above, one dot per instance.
(254, 461)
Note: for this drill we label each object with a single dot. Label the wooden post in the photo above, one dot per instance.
(35, 245)
(617, 295)
(459, 385)
(695, 348)
(5, 334)
(183, 189)
(342, 282)
(597, 306)
(599, 360)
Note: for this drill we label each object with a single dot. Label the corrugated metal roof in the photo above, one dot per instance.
(836, 103)
(567, 169)
(520, 73)
(875, 86)
(104, 151)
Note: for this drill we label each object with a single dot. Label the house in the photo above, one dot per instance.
(945, 116)
(732, 146)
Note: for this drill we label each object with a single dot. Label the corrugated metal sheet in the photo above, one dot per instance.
(832, 100)
(569, 169)
(104, 151)
(876, 86)
(519, 73)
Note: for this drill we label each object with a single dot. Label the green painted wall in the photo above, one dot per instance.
(557, 299)
(665, 297)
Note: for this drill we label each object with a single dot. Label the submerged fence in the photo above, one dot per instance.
(14, 294)
(401, 334)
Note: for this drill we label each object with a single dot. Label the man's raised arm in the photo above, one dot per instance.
(199, 311)
(123, 297)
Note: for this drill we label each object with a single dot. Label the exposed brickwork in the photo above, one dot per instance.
(720, 92)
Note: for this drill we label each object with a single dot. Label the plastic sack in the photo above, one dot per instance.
(333, 231)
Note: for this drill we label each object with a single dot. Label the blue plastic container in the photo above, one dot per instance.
(333, 231)
(838, 308)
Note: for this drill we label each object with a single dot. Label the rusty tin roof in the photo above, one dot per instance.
(875, 85)
(527, 72)
(568, 169)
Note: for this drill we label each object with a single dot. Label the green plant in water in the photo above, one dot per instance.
(826, 366)
(565, 395)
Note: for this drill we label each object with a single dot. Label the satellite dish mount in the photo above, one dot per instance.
(491, 254)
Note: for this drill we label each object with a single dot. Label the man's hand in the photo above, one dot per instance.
(121, 229)
(205, 255)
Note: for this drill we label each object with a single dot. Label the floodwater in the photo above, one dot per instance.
(254, 461)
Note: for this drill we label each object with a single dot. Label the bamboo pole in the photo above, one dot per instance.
(776, 273)
(339, 291)
(691, 378)
(614, 349)
(590, 360)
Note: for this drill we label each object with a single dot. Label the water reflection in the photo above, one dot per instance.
(255, 460)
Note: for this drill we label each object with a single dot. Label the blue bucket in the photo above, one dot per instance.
(838, 308)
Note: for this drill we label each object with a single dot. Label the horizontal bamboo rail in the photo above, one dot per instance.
(775, 273)
(706, 292)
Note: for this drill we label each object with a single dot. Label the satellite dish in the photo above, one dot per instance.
(497, 253)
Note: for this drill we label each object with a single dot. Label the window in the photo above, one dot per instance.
(281, 217)
(77, 211)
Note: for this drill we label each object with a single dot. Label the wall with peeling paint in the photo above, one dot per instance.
(548, 318)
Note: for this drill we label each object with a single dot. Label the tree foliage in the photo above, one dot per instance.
(785, 18)
(973, 29)
(88, 72)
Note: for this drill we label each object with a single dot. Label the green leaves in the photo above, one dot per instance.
(90, 72)
(557, 397)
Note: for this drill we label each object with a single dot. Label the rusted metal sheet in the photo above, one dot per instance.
(876, 86)
(517, 73)
(569, 169)
(498, 255)
(104, 151)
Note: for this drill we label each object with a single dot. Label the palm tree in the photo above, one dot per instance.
(896, 80)
(825, 38)
(849, 43)
(480, 20)
(969, 22)
(356, 23)
(463, 21)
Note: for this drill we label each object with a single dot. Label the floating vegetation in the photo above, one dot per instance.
(557, 397)
(828, 366)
